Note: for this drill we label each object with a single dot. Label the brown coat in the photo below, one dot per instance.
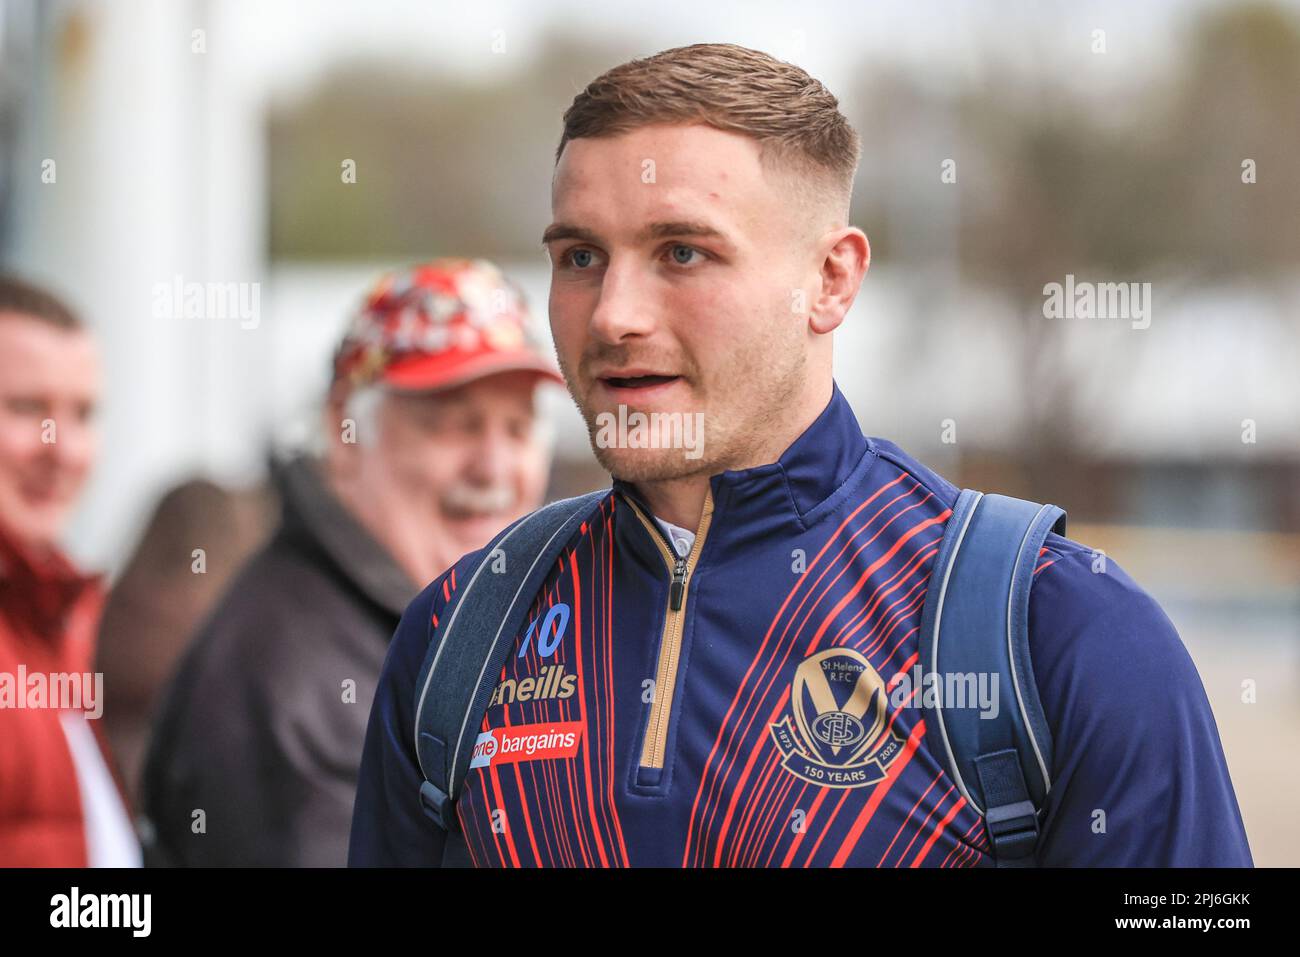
(258, 730)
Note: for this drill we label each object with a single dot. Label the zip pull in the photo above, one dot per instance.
(678, 588)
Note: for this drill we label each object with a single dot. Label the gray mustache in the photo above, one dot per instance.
(475, 499)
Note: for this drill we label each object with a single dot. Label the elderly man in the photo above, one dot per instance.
(432, 448)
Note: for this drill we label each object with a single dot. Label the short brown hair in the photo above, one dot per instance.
(23, 298)
(794, 118)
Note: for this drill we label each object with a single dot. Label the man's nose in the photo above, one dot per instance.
(495, 458)
(626, 306)
(69, 443)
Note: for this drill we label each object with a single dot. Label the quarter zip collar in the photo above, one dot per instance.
(812, 477)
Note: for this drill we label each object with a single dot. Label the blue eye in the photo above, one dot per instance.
(581, 258)
(682, 254)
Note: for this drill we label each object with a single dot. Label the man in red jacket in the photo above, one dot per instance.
(60, 805)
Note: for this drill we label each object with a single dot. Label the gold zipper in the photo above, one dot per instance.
(670, 643)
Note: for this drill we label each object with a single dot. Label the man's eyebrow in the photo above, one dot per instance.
(558, 231)
(663, 230)
(682, 228)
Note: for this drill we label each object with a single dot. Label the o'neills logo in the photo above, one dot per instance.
(835, 734)
(551, 682)
(527, 742)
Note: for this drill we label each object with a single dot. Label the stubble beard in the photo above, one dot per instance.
(747, 431)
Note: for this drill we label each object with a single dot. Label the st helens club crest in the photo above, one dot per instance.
(835, 731)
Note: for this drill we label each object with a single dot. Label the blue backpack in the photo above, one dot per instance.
(975, 621)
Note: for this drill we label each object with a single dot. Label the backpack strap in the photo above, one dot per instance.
(976, 622)
(460, 670)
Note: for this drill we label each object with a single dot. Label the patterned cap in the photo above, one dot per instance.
(440, 324)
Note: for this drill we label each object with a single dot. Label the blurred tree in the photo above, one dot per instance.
(1238, 98)
(444, 164)
(1150, 185)
(1053, 179)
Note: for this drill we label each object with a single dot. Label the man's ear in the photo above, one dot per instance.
(844, 263)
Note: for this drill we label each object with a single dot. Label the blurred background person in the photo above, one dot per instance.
(432, 446)
(60, 805)
(199, 535)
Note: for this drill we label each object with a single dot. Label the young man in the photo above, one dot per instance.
(60, 805)
(732, 611)
(432, 449)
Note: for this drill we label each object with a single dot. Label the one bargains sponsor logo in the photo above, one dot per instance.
(527, 742)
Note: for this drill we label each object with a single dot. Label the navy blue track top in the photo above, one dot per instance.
(665, 713)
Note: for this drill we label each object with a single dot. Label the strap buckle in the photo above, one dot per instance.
(1013, 829)
(437, 806)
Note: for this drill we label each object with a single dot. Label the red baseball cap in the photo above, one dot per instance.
(437, 325)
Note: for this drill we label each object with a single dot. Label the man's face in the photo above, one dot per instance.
(49, 389)
(681, 277)
(448, 470)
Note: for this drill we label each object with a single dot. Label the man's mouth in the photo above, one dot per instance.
(636, 382)
(45, 492)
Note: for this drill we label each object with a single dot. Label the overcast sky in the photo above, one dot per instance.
(831, 39)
